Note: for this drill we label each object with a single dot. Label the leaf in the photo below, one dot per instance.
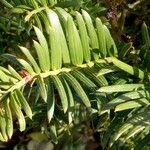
(101, 38)
(85, 80)
(62, 93)
(45, 21)
(127, 68)
(26, 66)
(24, 104)
(11, 58)
(74, 42)
(17, 100)
(30, 59)
(42, 88)
(106, 70)
(145, 35)
(34, 4)
(3, 124)
(54, 39)
(100, 81)
(120, 81)
(126, 97)
(16, 108)
(132, 104)
(3, 76)
(63, 15)
(14, 73)
(91, 33)
(50, 101)
(6, 4)
(53, 134)
(44, 45)
(84, 37)
(114, 124)
(4, 86)
(130, 125)
(17, 85)
(110, 44)
(55, 24)
(6, 75)
(125, 49)
(18, 10)
(41, 56)
(38, 22)
(44, 2)
(135, 130)
(56, 53)
(9, 120)
(121, 88)
(77, 87)
(122, 130)
(52, 2)
(70, 100)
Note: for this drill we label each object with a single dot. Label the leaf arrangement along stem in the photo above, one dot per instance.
(121, 65)
(73, 73)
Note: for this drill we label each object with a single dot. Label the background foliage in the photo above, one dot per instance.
(91, 89)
